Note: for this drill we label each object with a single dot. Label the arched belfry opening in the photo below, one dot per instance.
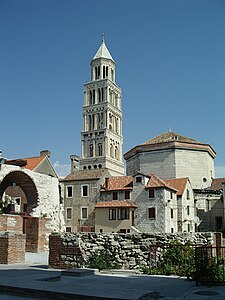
(18, 193)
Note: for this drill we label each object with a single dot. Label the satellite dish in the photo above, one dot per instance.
(196, 220)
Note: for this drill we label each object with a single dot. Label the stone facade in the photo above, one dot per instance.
(101, 134)
(164, 202)
(160, 206)
(81, 192)
(42, 192)
(128, 251)
(171, 155)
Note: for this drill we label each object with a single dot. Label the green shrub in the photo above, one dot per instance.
(101, 260)
(175, 260)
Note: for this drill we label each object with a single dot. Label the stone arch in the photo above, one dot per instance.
(26, 183)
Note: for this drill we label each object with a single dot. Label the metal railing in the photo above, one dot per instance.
(210, 265)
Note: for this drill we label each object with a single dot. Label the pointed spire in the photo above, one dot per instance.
(103, 52)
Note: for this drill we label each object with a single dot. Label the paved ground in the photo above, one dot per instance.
(33, 279)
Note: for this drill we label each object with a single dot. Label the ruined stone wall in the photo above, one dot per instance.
(68, 250)
(48, 202)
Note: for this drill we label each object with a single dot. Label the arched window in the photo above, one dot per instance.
(99, 95)
(102, 94)
(91, 150)
(116, 153)
(89, 122)
(111, 151)
(103, 71)
(112, 75)
(98, 72)
(99, 121)
(93, 122)
(116, 125)
(90, 97)
(107, 70)
(93, 97)
(100, 149)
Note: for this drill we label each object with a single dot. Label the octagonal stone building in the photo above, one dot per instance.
(171, 155)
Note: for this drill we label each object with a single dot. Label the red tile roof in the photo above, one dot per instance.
(156, 182)
(170, 136)
(80, 175)
(178, 183)
(29, 163)
(170, 140)
(118, 183)
(114, 204)
(217, 184)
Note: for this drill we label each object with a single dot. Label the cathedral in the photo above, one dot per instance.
(169, 185)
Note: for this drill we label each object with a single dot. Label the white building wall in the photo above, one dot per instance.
(161, 163)
(175, 163)
(197, 165)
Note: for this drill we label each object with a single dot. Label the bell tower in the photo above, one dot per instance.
(101, 134)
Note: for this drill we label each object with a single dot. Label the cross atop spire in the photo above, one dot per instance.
(103, 37)
(103, 52)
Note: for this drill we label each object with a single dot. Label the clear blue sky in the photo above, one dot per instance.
(170, 58)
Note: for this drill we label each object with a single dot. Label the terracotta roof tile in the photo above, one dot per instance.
(123, 203)
(156, 182)
(85, 175)
(178, 183)
(29, 163)
(118, 183)
(169, 137)
(217, 184)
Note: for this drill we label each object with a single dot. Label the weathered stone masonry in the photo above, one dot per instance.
(69, 250)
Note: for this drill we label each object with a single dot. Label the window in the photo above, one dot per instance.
(123, 214)
(84, 212)
(171, 195)
(116, 153)
(69, 191)
(188, 194)
(219, 223)
(189, 227)
(127, 194)
(151, 212)
(69, 213)
(68, 229)
(17, 201)
(112, 214)
(188, 210)
(115, 195)
(84, 190)
(100, 149)
(172, 230)
(91, 150)
(171, 213)
(138, 179)
(151, 193)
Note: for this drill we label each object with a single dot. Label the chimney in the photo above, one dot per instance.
(74, 162)
(45, 153)
(106, 183)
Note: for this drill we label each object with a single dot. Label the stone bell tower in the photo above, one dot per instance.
(102, 117)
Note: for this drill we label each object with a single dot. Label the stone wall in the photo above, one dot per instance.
(68, 250)
(47, 188)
